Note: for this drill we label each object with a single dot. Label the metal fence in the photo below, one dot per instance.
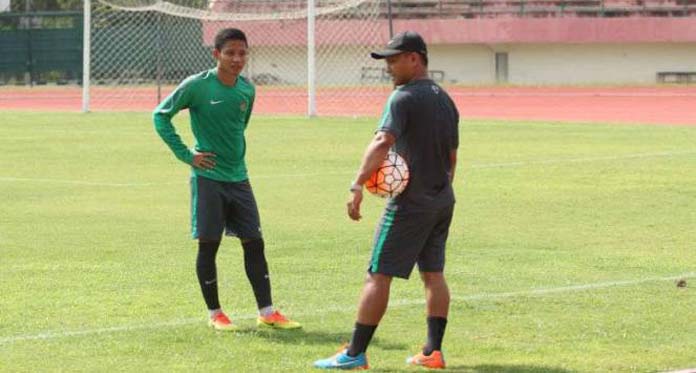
(41, 47)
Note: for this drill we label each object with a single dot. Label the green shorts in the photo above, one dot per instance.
(405, 237)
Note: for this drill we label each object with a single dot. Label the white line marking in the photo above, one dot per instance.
(252, 177)
(109, 184)
(53, 335)
(583, 160)
(344, 309)
(573, 288)
(572, 94)
(80, 182)
(272, 176)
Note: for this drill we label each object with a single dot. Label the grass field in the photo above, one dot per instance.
(562, 256)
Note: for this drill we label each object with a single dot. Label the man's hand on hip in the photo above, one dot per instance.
(205, 161)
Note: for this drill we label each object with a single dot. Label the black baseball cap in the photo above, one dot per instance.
(408, 41)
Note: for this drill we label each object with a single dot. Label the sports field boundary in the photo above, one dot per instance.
(473, 165)
(666, 105)
(49, 335)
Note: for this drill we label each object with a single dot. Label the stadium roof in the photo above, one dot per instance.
(471, 31)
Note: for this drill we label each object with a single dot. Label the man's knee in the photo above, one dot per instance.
(378, 279)
(202, 240)
(252, 244)
(432, 279)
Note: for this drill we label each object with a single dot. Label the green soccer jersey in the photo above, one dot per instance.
(219, 115)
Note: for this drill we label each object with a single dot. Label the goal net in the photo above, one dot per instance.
(141, 49)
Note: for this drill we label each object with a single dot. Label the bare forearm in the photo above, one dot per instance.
(373, 158)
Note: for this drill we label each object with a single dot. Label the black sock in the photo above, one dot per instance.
(207, 274)
(436, 331)
(362, 334)
(257, 271)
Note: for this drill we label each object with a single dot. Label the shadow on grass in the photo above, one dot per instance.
(507, 369)
(313, 337)
(489, 369)
(331, 342)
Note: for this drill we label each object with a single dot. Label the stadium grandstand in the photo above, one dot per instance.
(447, 9)
(140, 49)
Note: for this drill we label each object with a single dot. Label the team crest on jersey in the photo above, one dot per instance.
(435, 89)
(243, 106)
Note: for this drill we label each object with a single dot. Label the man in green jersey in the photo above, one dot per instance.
(220, 101)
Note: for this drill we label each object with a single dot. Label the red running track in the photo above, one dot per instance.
(669, 105)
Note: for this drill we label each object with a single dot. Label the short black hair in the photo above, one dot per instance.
(227, 34)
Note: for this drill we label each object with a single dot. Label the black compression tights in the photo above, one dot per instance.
(207, 273)
(257, 271)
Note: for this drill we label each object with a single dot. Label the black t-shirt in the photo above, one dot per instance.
(425, 122)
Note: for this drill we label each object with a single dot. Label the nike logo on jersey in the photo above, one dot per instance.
(213, 102)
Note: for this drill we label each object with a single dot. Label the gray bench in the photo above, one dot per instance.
(685, 77)
(380, 75)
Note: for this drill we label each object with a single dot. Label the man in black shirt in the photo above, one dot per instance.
(420, 123)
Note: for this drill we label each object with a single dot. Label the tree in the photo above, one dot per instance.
(45, 5)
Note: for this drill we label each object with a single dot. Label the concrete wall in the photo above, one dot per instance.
(468, 64)
(564, 63)
(597, 63)
(528, 64)
(336, 65)
(288, 64)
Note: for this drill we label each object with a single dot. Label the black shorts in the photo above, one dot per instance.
(405, 237)
(218, 206)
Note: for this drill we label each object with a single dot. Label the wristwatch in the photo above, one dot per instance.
(355, 187)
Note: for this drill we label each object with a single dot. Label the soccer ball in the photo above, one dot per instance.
(390, 179)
